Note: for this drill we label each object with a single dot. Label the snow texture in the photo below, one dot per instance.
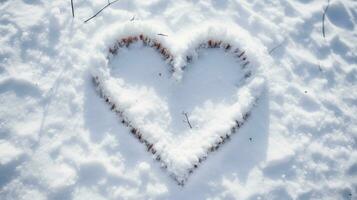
(149, 98)
(60, 140)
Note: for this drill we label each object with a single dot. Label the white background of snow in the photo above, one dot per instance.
(53, 144)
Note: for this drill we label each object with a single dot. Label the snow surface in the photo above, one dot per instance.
(60, 140)
(171, 106)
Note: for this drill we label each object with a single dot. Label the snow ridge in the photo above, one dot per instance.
(181, 154)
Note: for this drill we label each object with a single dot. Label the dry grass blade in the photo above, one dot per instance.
(277, 46)
(109, 3)
(72, 8)
(161, 34)
(323, 18)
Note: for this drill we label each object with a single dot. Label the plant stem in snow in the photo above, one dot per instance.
(277, 46)
(323, 18)
(187, 120)
(161, 34)
(72, 8)
(109, 3)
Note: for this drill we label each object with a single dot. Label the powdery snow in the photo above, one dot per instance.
(60, 140)
(153, 97)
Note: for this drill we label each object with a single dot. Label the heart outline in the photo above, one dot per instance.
(170, 59)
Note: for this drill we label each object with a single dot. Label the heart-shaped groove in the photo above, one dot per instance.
(170, 59)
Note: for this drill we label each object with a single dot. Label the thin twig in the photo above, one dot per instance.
(72, 8)
(161, 34)
(277, 46)
(320, 67)
(109, 3)
(323, 18)
(187, 120)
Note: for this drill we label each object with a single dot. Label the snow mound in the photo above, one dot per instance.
(172, 112)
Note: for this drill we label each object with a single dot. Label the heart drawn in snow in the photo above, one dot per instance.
(180, 118)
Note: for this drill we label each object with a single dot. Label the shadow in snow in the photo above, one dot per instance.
(101, 121)
(20, 87)
(8, 171)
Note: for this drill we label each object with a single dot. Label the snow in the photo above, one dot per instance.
(153, 100)
(8, 152)
(60, 140)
